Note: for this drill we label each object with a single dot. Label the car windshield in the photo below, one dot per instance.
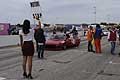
(60, 37)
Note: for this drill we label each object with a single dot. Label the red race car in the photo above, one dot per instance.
(59, 42)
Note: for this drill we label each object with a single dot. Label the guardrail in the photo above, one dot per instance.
(14, 40)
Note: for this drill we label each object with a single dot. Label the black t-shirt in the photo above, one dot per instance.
(39, 36)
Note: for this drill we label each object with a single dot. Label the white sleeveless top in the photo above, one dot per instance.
(27, 37)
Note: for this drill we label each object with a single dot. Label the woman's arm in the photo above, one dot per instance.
(21, 40)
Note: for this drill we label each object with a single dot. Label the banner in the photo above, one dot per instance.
(36, 10)
(34, 4)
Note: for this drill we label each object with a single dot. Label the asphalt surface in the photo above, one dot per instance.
(70, 64)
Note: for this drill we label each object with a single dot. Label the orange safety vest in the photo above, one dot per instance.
(89, 35)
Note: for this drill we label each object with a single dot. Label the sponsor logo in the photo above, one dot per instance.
(1, 28)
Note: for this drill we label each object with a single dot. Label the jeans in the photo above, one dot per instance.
(90, 46)
(41, 51)
(37, 46)
(113, 47)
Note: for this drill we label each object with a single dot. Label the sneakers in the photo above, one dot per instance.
(119, 54)
(113, 53)
(91, 51)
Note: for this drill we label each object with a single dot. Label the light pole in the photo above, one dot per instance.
(95, 13)
(108, 18)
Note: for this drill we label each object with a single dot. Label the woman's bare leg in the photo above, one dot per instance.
(24, 63)
(30, 64)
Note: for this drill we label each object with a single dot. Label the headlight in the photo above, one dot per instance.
(62, 42)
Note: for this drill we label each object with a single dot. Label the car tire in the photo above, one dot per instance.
(64, 47)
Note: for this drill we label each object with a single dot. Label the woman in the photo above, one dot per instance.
(26, 40)
(90, 38)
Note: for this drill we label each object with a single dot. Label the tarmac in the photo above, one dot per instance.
(72, 64)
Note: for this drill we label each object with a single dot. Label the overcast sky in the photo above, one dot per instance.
(61, 11)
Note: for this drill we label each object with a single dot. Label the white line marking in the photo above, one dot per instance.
(110, 62)
(1, 78)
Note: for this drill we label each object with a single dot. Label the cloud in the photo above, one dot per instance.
(61, 11)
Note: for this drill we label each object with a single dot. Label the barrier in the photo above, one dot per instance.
(9, 40)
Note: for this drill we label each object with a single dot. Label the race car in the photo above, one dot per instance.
(61, 42)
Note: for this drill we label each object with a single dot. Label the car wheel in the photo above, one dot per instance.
(64, 47)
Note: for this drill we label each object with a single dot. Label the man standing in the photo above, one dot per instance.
(74, 32)
(112, 37)
(40, 40)
(97, 38)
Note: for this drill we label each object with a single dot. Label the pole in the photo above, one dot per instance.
(95, 13)
(108, 18)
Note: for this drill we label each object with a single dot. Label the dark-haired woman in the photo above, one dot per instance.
(26, 40)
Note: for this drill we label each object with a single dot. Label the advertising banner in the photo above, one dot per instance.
(36, 10)
(4, 28)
